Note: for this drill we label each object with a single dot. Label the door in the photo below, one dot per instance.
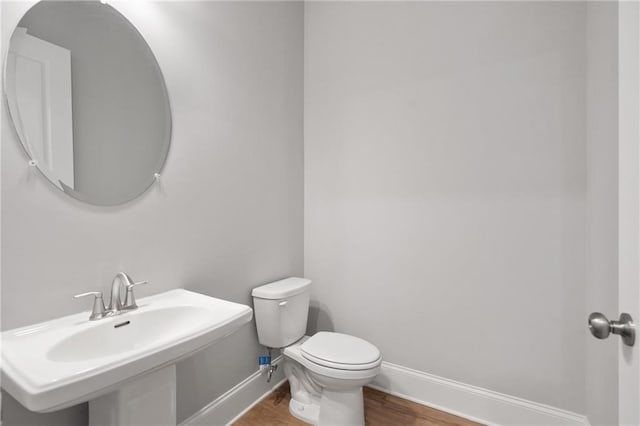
(629, 205)
(612, 377)
(42, 111)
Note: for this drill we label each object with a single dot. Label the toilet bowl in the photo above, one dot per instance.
(326, 371)
(322, 392)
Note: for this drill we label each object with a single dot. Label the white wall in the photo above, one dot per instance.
(601, 373)
(445, 187)
(227, 215)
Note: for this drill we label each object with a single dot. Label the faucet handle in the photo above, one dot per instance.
(130, 299)
(98, 310)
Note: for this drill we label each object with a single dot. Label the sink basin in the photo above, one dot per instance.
(134, 332)
(65, 361)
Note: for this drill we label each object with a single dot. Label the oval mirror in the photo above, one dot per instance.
(88, 100)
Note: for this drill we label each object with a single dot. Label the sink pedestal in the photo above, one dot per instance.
(149, 400)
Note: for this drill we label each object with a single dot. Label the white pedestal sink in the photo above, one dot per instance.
(124, 365)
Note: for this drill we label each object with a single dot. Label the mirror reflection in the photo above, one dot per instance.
(88, 100)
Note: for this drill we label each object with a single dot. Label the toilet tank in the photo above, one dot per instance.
(281, 309)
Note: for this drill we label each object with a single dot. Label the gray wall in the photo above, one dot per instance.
(227, 215)
(459, 182)
(445, 187)
(601, 372)
(120, 126)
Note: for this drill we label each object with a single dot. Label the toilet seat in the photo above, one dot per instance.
(294, 353)
(340, 351)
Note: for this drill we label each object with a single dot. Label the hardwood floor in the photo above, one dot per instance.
(380, 409)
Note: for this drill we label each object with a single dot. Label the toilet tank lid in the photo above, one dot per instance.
(281, 289)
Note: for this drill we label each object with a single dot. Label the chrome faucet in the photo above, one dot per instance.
(116, 305)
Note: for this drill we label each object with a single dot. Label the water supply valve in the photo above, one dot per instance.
(266, 366)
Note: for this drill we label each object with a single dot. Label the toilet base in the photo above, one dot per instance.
(343, 408)
(308, 413)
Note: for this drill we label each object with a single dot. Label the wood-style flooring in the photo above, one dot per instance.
(380, 409)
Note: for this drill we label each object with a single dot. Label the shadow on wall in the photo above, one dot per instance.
(319, 318)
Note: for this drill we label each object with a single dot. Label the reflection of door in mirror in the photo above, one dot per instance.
(43, 103)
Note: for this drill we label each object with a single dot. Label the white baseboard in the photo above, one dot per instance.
(234, 403)
(471, 402)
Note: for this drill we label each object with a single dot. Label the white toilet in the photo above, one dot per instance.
(326, 371)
